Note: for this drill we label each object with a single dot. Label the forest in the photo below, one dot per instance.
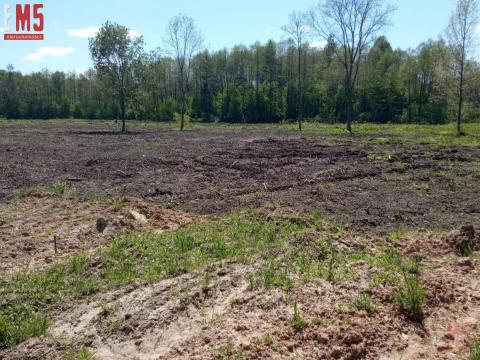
(260, 83)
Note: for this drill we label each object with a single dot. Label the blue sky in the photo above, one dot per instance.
(223, 23)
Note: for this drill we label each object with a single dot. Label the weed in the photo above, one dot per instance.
(19, 322)
(273, 276)
(399, 167)
(320, 321)
(298, 323)
(83, 354)
(411, 296)
(474, 351)
(63, 189)
(364, 302)
(118, 204)
(330, 273)
(268, 340)
(97, 197)
(228, 351)
(30, 191)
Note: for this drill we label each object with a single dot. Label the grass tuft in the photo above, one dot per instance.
(411, 296)
(474, 351)
(298, 323)
(364, 302)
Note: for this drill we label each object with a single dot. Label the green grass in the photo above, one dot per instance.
(411, 296)
(58, 188)
(364, 302)
(440, 135)
(286, 253)
(82, 354)
(474, 351)
(230, 352)
(28, 299)
(298, 322)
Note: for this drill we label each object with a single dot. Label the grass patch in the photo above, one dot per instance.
(474, 351)
(27, 299)
(411, 296)
(298, 322)
(63, 189)
(58, 188)
(364, 302)
(82, 354)
(229, 351)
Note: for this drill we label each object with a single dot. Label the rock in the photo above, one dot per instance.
(48, 259)
(127, 329)
(468, 231)
(465, 241)
(322, 338)
(337, 352)
(449, 336)
(466, 262)
(444, 347)
(353, 338)
(142, 219)
(128, 316)
(101, 225)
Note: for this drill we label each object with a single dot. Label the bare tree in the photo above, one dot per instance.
(353, 24)
(461, 35)
(297, 30)
(184, 40)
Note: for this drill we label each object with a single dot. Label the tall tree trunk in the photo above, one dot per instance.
(460, 98)
(182, 118)
(182, 89)
(122, 111)
(300, 90)
(349, 103)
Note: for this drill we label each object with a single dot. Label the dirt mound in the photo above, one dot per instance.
(466, 240)
(33, 228)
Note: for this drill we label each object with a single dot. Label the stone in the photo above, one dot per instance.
(101, 225)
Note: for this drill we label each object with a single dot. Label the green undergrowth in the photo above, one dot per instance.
(285, 251)
(58, 188)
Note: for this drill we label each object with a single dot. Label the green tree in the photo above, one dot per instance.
(117, 57)
(353, 24)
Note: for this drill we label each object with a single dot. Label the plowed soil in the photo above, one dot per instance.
(371, 182)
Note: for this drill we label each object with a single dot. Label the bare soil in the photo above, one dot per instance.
(32, 225)
(372, 183)
(182, 319)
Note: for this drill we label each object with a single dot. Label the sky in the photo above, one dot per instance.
(223, 23)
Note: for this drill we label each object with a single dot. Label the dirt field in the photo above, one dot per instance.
(159, 257)
(374, 182)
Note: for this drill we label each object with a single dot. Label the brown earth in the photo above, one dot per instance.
(214, 171)
(31, 224)
(181, 318)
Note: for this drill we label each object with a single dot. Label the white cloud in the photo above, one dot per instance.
(320, 44)
(49, 51)
(91, 31)
(478, 28)
(78, 71)
(83, 33)
(134, 34)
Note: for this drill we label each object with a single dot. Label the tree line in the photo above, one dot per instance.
(332, 67)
